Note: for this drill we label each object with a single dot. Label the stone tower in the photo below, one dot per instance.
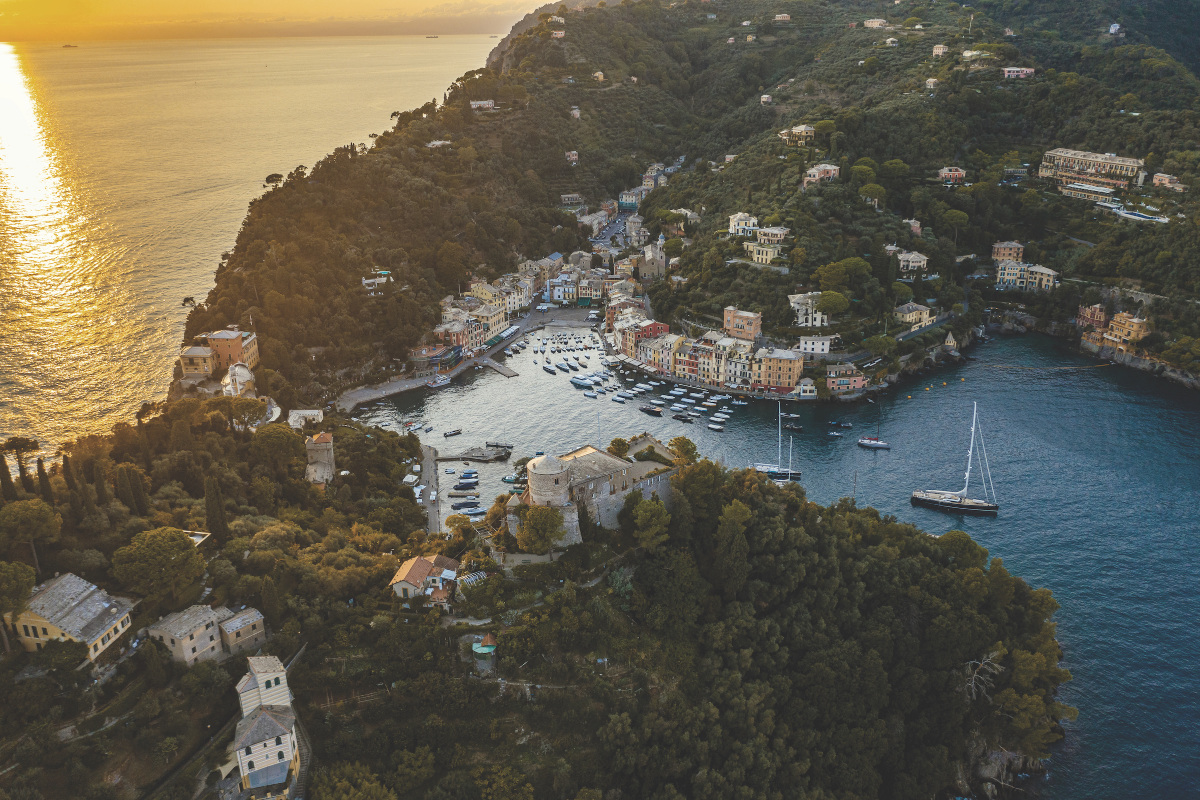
(549, 482)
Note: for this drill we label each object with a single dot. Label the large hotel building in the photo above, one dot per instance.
(1090, 169)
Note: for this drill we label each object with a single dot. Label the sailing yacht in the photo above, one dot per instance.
(777, 472)
(959, 502)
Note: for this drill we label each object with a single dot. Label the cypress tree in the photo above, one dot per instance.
(100, 481)
(124, 489)
(181, 436)
(140, 500)
(44, 482)
(26, 480)
(214, 508)
(269, 599)
(7, 488)
(68, 471)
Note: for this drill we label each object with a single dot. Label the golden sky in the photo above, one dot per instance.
(55, 20)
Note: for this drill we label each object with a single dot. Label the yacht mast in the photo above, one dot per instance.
(779, 423)
(970, 449)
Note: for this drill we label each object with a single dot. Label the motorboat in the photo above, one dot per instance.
(653, 411)
(618, 399)
(549, 369)
(683, 418)
(590, 394)
(712, 426)
(454, 432)
(873, 443)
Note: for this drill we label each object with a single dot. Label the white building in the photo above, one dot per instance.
(742, 224)
(820, 345)
(911, 262)
(483, 105)
(265, 740)
(805, 306)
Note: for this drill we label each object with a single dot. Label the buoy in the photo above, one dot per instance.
(943, 383)
(927, 388)
(910, 397)
(962, 379)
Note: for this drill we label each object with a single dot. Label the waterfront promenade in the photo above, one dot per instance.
(532, 321)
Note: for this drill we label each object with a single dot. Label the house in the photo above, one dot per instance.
(842, 378)
(629, 199)
(1007, 251)
(1026, 277)
(807, 315)
(594, 480)
(951, 344)
(244, 632)
(820, 173)
(729, 157)
(763, 253)
(572, 157)
(798, 134)
(776, 370)
(807, 389)
(783, 17)
(742, 224)
(238, 381)
(574, 112)
(557, 34)
(230, 346)
(299, 417)
(940, 50)
(971, 55)
(751, 38)
(266, 741)
(875, 23)
(1124, 331)
(1019, 72)
(598, 75)
(892, 41)
(1168, 181)
(319, 448)
(1106, 170)
(197, 360)
(570, 200)
(931, 83)
(191, 635)
(913, 225)
(952, 175)
(422, 575)
(912, 314)
(67, 608)
(745, 325)
(772, 235)
(483, 105)
(817, 345)
(1094, 317)
(557, 19)
(911, 263)
(764, 100)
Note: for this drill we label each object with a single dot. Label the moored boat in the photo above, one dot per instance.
(873, 443)
(653, 411)
(440, 380)
(454, 432)
(959, 502)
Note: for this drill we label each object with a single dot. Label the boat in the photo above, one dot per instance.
(789, 416)
(618, 399)
(464, 485)
(712, 426)
(549, 369)
(511, 478)
(682, 418)
(835, 433)
(470, 473)
(777, 472)
(429, 429)
(580, 381)
(845, 424)
(562, 367)
(739, 402)
(475, 512)
(590, 394)
(719, 417)
(959, 502)
(873, 443)
(791, 426)
(573, 366)
(454, 432)
(508, 351)
(440, 380)
(691, 412)
(465, 504)
(653, 411)
(658, 402)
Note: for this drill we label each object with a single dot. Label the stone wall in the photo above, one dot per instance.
(603, 510)
(1159, 368)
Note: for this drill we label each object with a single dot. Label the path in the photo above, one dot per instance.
(429, 471)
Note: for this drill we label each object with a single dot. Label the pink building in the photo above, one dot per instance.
(821, 173)
(1018, 72)
(841, 378)
(952, 174)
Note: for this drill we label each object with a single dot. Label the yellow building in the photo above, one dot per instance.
(68, 608)
(776, 370)
(487, 293)
(491, 319)
(914, 315)
(197, 360)
(1124, 331)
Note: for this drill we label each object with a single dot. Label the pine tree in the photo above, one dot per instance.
(7, 488)
(181, 436)
(269, 600)
(214, 508)
(68, 471)
(44, 482)
(100, 480)
(140, 500)
(125, 489)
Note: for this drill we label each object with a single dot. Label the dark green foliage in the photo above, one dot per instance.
(100, 482)
(44, 488)
(214, 509)
(7, 489)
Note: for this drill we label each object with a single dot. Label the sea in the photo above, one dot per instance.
(126, 169)
(1096, 469)
(125, 172)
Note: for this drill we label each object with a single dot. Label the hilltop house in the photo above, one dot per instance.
(940, 50)
(1018, 72)
(805, 306)
(742, 224)
(1007, 251)
(200, 633)
(912, 314)
(431, 576)
(230, 346)
(319, 449)
(745, 325)
(820, 173)
(266, 740)
(68, 608)
(952, 175)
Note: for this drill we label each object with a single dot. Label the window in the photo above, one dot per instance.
(35, 632)
(249, 764)
(211, 638)
(281, 755)
(172, 643)
(278, 740)
(247, 750)
(277, 681)
(237, 635)
(26, 627)
(193, 650)
(254, 627)
(191, 637)
(44, 633)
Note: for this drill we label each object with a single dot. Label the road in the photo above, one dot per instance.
(615, 228)
(429, 477)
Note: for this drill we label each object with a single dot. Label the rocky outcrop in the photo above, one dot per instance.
(1154, 367)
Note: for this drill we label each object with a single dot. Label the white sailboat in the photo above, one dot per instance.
(777, 471)
(959, 502)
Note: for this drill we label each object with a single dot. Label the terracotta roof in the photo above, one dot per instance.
(442, 563)
(488, 639)
(323, 438)
(413, 572)
(439, 594)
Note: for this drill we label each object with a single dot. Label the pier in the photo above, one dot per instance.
(483, 454)
(503, 370)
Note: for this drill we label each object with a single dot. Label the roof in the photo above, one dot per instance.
(910, 308)
(545, 465)
(588, 463)
(775, 352)
(191, 619)
(261, 665)
(262, 725)
(79, 608)
(322, 438)
(1008, 244)
(196, 351)
(413, 572)
(241, 620)
(1107, 158)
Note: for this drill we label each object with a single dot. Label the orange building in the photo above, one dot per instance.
(745, 325)
(229, 346)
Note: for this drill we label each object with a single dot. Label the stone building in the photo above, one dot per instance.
(69, 608)
(595, 481)
(320, 467)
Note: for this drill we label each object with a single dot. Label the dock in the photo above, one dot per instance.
(483, 454)
(503, 370)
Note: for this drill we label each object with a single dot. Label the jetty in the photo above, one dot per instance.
(483, 454)
(496, 365)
